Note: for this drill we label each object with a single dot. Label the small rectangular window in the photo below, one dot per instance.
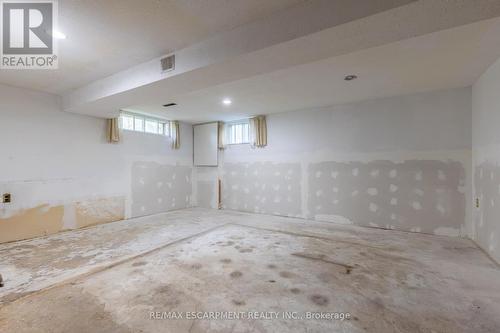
(166, 129)
(127, 122)
(238, 133)
(141, 123)
(138, 124)
(151, 126)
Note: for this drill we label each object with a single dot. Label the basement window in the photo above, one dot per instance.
(141, 123)
(238, 132)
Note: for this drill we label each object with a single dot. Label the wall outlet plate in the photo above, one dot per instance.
(6, 198)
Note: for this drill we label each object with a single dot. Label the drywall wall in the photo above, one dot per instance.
(158, 187)
(205, 150)
(62, 173)
(400, 163)
(486, 160)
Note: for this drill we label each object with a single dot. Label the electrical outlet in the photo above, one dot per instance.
(6, 198)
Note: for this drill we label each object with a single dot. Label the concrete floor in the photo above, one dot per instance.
(111, 277)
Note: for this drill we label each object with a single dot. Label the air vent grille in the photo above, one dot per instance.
(168, 63)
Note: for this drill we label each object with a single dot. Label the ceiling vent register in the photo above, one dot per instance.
(168, 63)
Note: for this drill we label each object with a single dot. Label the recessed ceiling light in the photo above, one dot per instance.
(350, 77)
(227, 101)
(58, 34)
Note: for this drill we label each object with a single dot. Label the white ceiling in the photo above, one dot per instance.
(109, 59)
(107, 36)
(446, 59)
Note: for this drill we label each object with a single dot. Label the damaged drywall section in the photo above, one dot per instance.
(47, 219)
(99, 211)
(33, 222)
(487, 190)
(263, 187)
(158, 188)
(414, 195)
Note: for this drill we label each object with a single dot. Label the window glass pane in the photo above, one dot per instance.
(166, 127)
(139, 124)
(127, 122)
(245, 133)
(151, 126)
(238, 133)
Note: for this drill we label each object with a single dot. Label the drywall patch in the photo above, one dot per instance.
(34, 222)
(206, 194)
(487, 189)
(99, 211)
(263, 187)
(425, 195)
(159, 188)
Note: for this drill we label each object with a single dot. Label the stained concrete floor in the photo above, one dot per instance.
(110, 278)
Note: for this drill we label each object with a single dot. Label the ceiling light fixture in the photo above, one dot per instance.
(350, 77)
(226, 101)
(58, 34)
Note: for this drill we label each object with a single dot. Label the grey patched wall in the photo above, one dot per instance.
(487, 190)
(158, 188)
(414, 195)
(486, 163)
(207, 194)
(263, 187)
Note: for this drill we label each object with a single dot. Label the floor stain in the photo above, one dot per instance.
(236, 274)
(286, 275)
(319, 300)
(92, 315)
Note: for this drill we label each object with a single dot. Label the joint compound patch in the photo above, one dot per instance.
(425, 195)
(264, 187)
(148, 198)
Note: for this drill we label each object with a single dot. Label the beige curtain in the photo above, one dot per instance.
(258, 131)
(175, 134)
(113, 130)
(221, 138)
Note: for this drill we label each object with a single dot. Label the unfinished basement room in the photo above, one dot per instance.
(270, 166)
